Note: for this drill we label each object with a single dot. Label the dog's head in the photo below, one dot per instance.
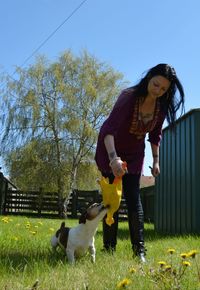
(93, 211)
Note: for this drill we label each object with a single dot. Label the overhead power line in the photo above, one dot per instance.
(47, 39)
(50, 36)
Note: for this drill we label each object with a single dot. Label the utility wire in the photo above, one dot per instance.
(47, 39)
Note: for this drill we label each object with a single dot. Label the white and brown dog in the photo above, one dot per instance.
(78, 240)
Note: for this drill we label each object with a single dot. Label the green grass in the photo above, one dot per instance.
(25, 257)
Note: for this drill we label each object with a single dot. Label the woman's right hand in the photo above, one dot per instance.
(117, 166)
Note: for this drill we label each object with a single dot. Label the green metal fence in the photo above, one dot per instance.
(177, 198)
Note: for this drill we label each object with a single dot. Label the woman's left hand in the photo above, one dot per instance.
(155, 170)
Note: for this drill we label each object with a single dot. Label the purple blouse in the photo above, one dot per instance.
(129, 133)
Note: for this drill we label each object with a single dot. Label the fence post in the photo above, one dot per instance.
(40, 198)
(74, 204)
(3, 189)
(96, 196)
(61, 207)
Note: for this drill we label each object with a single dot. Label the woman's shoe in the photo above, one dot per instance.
(142, 258)
(140, 252)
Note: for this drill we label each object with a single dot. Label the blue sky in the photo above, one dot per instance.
(129, 35)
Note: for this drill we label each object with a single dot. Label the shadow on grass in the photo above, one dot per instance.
(150, 233)
(13, 262)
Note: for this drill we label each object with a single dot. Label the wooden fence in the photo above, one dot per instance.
(32, 203)
(80, 200)
(49, 204)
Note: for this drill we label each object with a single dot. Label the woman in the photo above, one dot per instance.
(139, 110)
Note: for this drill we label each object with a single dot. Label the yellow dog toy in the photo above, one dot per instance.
(111, 194)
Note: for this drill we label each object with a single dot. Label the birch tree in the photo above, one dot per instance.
(62, 104)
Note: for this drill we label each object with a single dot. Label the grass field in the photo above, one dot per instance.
(26, 260)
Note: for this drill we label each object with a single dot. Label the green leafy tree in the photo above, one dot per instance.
(32, 166)
(56, 107)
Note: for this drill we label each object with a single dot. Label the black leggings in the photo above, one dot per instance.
(131, 192)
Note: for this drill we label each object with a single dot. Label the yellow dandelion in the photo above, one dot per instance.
(168, 267)
(40, 223)
(184, 255)
(36, 226)
(192, 253)
(6, 219)
(33, 232)
(132, 270)
(18, 225)
(125, 282)
(185, 263)
(171, 251)
(51, 229)
(15, 238)
(162, 263)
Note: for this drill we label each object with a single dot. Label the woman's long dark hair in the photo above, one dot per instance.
(169, 102)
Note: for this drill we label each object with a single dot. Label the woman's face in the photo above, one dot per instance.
(157, 86)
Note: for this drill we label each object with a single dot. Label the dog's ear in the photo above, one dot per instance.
(83, 217)
(98, 181)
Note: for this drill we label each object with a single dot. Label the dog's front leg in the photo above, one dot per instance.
(92, 251)
(70, 256)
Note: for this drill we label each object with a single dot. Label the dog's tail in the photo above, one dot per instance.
(54, 239)
(62, 225)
